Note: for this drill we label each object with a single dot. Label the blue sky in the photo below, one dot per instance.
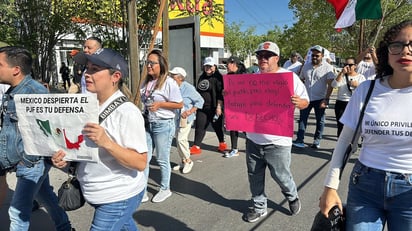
(261, 14)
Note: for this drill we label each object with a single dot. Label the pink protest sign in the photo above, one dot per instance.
(259, 103)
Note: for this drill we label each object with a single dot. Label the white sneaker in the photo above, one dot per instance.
(161, 195)
(145, 197)
(176, 167)
(232, 153)
(187, 167)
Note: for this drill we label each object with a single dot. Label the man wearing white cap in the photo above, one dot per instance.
(272, 151)
(192, 100)
(318, 77)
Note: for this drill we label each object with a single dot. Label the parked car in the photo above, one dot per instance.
(222, 69)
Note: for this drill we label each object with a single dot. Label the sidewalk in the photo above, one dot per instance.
(216, 193)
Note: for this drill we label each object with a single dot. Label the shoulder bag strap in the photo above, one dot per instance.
(348, 83)
(353, 146)
(109, 109)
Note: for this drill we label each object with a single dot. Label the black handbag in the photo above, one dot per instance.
(336, 219)
(70, 194)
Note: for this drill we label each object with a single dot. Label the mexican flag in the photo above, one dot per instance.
(348, 11)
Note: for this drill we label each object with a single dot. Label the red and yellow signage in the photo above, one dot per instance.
(205, 8)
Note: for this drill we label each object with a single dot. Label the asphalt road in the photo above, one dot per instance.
(216, 193)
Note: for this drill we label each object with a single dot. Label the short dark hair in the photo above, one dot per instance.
(18, 56)
(383, 68)
(98, 40)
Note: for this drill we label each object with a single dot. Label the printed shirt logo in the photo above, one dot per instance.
(204, 85)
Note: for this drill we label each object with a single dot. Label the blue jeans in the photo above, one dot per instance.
(117, 215)
(277, 159)
(376, 197)
(303, 121)
(160, 136)
(34, 183)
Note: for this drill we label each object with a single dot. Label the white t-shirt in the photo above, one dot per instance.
(386, 126)
(367, 69)
(170, 92)
(108, 181)
(3, 89)
(343, 92)
(264, 139)
(295, 67)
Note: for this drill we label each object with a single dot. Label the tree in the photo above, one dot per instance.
(39, 25)
(316, 20)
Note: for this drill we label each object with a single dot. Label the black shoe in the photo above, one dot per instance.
(254, 216)
(35, 206)
(294, 206)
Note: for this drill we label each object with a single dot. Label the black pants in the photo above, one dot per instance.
(339, 109)
(203, 118)
(234, 135)
(68, 82)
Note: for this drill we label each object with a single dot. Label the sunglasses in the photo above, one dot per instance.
(316, 56)
(349, 64)
(267, 55)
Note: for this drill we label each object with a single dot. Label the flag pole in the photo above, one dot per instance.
(380, 24)
(360, 41)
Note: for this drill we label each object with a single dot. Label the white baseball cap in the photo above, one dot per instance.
(178, 71)
(268, 46)
(209, 61)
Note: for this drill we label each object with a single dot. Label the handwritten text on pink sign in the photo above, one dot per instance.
(259, 103)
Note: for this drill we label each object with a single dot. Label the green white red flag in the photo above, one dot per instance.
(348, 11)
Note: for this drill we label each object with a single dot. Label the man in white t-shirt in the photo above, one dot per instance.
(272, 151)
(293, 63)
(367, 60)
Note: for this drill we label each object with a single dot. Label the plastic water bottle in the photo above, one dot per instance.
(215, 118)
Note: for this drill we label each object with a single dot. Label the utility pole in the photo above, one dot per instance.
(165, 29)
(134, 70)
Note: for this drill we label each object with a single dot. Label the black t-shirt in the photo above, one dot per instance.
(210, 88)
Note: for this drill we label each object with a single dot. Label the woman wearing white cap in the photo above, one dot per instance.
(192, 100)
(210, 87)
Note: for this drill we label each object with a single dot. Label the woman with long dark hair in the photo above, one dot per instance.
(161, 97)
(380, 189)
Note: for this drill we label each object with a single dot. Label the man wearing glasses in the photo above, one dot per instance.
(317, 76)
(272, 151)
